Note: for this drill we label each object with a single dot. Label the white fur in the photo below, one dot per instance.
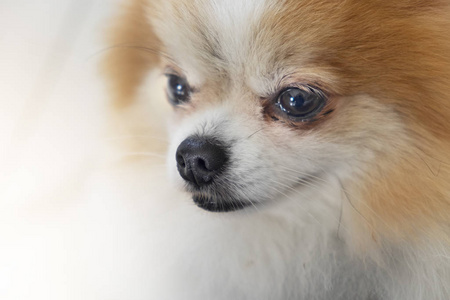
(291, 251)
(238, 17)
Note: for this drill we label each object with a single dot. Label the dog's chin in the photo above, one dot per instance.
(214, 204)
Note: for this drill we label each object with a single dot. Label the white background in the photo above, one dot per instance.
(54, 244)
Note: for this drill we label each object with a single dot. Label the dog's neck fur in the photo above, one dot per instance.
(287, 249)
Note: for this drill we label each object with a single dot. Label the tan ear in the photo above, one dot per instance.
(132, 50)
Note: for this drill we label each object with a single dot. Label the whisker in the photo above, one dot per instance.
(306, 183)
(303, 174)
(259, 130)
(363, 203)
(311, 183)
(341, 211)
(236, 187)
(318, 180)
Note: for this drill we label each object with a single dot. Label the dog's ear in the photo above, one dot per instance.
(131, 51)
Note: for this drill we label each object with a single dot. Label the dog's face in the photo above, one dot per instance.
(272, 100)
(260, 108)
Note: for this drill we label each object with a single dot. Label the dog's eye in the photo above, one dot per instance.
(300, 104)
(178, 89)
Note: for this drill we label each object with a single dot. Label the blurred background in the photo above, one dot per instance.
(51, 94)
(52, 122)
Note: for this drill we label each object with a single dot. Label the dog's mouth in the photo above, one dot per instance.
(214, 204)
(217, 203)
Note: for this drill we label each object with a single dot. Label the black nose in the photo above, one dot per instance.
(199, 159)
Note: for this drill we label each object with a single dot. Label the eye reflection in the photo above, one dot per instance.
(178, 90)
(300, 103)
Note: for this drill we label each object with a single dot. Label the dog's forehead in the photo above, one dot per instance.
(227, 37)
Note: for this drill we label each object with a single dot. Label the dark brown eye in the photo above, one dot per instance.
(300, 104)
(178, 90)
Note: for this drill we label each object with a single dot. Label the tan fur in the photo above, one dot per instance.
(133, 49)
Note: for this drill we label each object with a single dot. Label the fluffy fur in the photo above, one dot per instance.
(356, 206)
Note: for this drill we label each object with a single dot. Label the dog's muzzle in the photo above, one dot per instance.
(201, 161)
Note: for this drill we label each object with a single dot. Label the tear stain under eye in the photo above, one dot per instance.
(328, 112)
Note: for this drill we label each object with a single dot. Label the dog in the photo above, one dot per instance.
(308, 152)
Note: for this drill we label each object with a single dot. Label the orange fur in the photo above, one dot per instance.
(132, 51)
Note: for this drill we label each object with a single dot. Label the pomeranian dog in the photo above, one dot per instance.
(309, 145)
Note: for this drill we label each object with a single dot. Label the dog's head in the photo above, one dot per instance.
(275, 98)
(257, 114)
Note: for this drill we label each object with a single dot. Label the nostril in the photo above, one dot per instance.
(180, 160)
(201, 164)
